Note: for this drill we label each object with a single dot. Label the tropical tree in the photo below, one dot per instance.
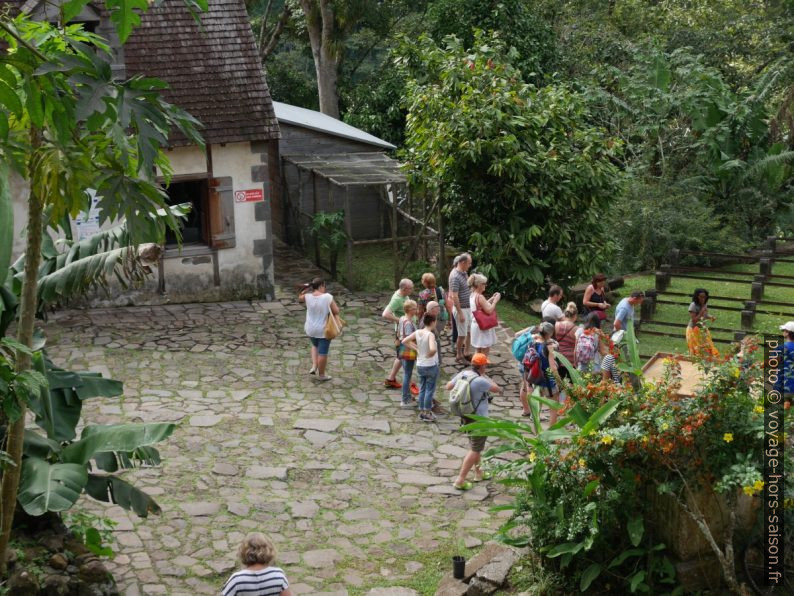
(68, 127)
(520, 174)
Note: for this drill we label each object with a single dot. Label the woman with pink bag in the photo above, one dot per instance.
(483, 310)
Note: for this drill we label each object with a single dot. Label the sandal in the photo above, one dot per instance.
(465, 486)
(526, 414)
(483, 476)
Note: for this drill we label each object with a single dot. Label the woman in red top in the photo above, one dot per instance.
(565, 334)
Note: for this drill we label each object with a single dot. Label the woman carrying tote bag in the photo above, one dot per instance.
(320, 306)
(483, 310)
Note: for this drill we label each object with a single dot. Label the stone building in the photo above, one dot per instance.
(214, 72)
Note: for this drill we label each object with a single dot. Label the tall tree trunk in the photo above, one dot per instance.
(27, 319)
(320, 25)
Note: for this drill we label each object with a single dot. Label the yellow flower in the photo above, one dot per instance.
(758, 485)
(607, 439)
(727, 437)
(644, 439)
(758, 409)
(532, 456)
(736, 373)
(665, 426)
(626, 412)
(748, 490)
(582, 463)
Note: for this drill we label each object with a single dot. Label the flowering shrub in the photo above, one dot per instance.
(583, 493)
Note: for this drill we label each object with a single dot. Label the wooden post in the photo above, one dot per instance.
(757, 291)
(301, 235)
(410, 201)
(765, 266)
(349, 231)
(748, 317)
(314, 212)
(425, 254)
(662, 281)
(394, 248)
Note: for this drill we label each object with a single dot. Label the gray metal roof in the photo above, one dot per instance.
(318, 121)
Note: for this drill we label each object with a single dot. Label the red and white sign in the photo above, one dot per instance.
(253, 195)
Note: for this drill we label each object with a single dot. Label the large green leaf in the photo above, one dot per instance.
(589, 574)
(601, 414)
(57, 409)
(116, 437)
(36, 445)
(6, 226)
(50, 487)
(576, 376)
(111, 489)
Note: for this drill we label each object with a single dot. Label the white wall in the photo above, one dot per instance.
(190, 276)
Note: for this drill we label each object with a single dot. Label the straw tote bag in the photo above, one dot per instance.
(333, 325)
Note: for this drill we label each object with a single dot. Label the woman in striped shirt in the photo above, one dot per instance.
(259, 577)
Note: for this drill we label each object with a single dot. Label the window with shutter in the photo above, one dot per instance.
(221, 199)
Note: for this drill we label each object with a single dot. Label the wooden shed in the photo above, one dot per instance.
(310, 138)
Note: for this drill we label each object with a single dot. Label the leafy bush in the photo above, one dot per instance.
(328, 230)
(523, 179)
(648, 223)
(583, 494)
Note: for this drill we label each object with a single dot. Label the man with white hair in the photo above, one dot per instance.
(459, 293)
(393, 312)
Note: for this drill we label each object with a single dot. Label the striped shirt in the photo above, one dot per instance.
(269, 581)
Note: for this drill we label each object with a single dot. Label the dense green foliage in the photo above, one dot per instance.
(585, 484)
(700, 95)
(520, 173)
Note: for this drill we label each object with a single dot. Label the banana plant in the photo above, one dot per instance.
(57, 468)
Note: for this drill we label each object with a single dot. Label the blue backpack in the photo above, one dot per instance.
(520, 345)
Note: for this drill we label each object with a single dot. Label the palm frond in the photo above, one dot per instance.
(81, 275)
(769, 161)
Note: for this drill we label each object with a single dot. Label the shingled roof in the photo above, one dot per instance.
(213, 71)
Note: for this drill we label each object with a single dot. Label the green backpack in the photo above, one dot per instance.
(460, 403)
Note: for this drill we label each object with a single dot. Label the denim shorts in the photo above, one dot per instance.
(322, 345)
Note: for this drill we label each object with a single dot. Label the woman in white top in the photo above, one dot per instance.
(318, 304)
(424, 342)
(482, 340)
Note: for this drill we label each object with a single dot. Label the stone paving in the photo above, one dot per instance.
(355, 492)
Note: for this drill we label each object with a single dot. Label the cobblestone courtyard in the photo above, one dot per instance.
(355, 492)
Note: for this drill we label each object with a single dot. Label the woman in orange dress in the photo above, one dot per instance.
(698, 337)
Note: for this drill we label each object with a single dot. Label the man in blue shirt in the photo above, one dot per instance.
(625, 309)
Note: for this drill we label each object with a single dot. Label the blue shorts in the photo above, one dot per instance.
(322, 345)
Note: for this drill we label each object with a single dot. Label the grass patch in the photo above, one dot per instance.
(436, 564)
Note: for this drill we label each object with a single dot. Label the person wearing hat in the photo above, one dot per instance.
(785, 382)
(479, 386)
